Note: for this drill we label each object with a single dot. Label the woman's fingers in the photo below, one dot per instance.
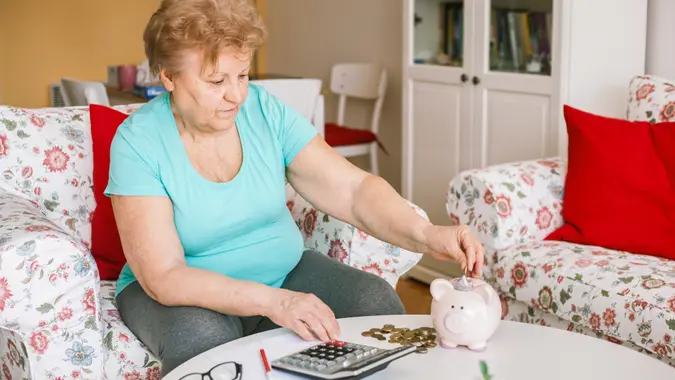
(325, 314)
(469, 246)
(317, 327)
(302, 330)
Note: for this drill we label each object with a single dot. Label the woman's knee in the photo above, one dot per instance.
(183, 341)
(375, 296)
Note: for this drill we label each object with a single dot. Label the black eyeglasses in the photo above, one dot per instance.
(222, 371)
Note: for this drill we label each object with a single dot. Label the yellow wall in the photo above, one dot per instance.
(47, 40)
(44, 40)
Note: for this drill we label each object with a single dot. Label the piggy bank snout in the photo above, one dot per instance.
(457, 323)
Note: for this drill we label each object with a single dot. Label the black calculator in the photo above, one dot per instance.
(339, 360)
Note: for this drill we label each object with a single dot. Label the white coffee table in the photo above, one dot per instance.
(517, 351)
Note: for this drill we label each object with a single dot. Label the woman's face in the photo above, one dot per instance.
(209, 97)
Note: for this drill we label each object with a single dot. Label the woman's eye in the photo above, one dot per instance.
(242, 77)
(218, 82)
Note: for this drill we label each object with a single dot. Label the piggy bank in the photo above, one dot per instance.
(465, 312)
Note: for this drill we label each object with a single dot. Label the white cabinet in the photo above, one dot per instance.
(485, 81)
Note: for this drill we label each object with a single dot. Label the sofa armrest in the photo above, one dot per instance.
(49, 294)
(349, 245)
(510, 203)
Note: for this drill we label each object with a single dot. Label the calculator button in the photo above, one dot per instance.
(321, 367)
(340, 359)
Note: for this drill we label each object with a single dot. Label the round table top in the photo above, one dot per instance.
(516, 351)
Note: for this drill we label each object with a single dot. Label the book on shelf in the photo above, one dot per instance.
(520, 40)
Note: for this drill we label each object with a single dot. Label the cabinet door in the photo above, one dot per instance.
(439, 115)
(513, 81)
(438, 53)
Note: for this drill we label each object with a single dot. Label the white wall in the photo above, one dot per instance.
(308, 36)
(660, 33)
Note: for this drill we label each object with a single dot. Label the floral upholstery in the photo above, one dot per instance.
(57, 319)
(348, 244)
(652, 99)
(622, 297)
(616, 294)
(49, 297)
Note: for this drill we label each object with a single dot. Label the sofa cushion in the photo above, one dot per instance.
(125, 357)
(620, 184)
(620, 294)
(46, 157)
(106, 246)
(651, 99)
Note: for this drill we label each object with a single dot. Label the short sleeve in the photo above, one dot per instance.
(133, 170)
(293, 130)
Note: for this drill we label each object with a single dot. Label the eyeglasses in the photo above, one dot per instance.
(222, 371)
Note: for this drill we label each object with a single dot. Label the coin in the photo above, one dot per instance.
(424, 338)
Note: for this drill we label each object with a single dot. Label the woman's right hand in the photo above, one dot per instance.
(305, 314)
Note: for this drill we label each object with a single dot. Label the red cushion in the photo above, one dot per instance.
(105, 240)
(337, 135)
(620, 185)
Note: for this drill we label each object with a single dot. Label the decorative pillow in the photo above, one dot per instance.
(44, 157)
(620, 185)
(106, 246)
(651, 99)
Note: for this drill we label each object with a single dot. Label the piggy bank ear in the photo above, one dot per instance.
(485, 292)
(439, 287)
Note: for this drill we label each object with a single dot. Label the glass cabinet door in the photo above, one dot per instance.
(438, 32)
(520, 36)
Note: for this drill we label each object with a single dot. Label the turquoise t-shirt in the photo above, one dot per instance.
(241, 228)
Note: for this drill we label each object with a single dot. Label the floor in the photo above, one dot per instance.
(415, 296)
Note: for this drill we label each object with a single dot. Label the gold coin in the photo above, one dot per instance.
(421, 350)
(367, 333)
(375, 330)
(408, 334)
(430, 344)
(379, 336)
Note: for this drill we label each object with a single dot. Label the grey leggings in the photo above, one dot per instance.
(176, 334)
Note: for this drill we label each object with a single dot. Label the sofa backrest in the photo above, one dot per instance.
(651, 98)
(46, 157)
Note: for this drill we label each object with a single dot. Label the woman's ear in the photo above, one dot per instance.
(167, 79)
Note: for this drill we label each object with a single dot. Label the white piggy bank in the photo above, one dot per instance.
(465, 312)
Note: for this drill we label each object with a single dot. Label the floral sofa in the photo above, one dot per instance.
(57, 319)
(622, 297)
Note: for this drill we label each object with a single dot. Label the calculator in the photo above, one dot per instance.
(339, 360)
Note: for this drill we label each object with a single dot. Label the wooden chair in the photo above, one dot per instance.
(303, 95)
(362, 81)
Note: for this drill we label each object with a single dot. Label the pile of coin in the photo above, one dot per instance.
(423, 338)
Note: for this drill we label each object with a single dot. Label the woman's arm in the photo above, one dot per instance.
(337, 187)
(155, 255)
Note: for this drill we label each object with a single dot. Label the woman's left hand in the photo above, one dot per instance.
(456, 243)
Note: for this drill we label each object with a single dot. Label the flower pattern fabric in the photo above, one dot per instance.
(50, 319)
(349, 245)
(652, 99)
(619, 296)
(57, 319)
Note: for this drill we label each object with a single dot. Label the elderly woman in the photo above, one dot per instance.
(197, 186)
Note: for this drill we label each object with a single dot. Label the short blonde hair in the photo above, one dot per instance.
(206, 25)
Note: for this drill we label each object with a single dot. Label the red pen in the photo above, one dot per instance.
(268, 369)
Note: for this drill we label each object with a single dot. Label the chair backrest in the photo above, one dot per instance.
(302, 94)
(359, 80)
(79, 93)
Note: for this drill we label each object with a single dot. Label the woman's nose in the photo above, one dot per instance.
(233, 95)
